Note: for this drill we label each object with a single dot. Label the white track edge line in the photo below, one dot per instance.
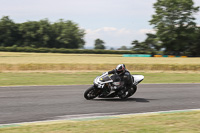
(71, 119)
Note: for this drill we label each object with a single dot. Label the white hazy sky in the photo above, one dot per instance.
(117, 22)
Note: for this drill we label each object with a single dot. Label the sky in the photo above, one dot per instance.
(116, 22)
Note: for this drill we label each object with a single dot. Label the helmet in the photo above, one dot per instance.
(120, 69)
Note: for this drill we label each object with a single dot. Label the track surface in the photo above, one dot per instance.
(37, 103)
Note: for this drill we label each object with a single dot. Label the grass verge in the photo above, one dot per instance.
(81, 78)
(96, 67)
(14, 61)
(53, 58)
(184, 122)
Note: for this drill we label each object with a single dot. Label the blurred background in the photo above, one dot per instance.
(151, 26)
(92, 36)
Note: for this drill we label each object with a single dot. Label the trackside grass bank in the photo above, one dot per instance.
(96, 67)
(182, 122)
(14, 61)
(81, 78)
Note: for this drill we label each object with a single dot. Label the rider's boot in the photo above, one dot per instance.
(121, 90)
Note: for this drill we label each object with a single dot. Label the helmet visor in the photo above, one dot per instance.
(120, 71)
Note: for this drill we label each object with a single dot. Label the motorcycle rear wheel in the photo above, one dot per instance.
(91, 93)
(132, 90)
(123, 95)
(128, 93)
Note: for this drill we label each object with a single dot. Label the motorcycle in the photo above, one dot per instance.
(106, 86)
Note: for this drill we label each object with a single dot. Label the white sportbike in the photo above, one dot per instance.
(106, 86)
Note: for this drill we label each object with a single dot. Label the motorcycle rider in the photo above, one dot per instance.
(125, 77)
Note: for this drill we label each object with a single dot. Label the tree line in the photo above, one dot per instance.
(174, 24)
(36, 34)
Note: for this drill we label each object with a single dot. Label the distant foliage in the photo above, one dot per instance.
(176, 32)
(64, 50)
(9, 32)
(175, 26)
(123, 48)
(36, 34)
(99, 44)
(150, 44)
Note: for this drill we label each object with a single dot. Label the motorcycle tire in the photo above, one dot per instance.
(91, 93)
(132, 90)
(123, 95)
(128, 93)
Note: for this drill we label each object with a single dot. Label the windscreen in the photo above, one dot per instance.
(105, 78)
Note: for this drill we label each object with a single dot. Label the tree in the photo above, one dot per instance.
(8, 32)
(151, 44)
(123, 48)
(195, 45)
(99, 44)
(112, 48)
(140, 46)
(35, 34)
(174, 23)
(68, 35)
(62, 34)
(137, 45)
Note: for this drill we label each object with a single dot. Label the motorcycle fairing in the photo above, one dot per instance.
(101, 80)
(137, 79)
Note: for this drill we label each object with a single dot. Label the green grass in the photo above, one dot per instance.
(187, 122)
(69, 78)
(165, 123)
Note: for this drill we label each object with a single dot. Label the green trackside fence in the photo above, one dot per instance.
(136, 55)
(148, 55)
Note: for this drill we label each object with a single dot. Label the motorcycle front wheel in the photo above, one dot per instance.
(91, 93)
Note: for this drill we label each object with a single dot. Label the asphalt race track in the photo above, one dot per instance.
(38, 103)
